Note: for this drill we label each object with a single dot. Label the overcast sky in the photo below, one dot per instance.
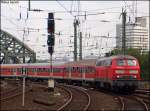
(14, 20)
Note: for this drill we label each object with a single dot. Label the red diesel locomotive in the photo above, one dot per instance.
(118, 72)
(115, 72)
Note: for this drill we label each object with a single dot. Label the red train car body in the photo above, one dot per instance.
(112, 72)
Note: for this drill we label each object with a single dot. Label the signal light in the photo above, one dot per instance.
(50, 41)
(51, 23)
(51, 49)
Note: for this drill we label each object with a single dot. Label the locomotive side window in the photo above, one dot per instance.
(99, 63)
(108, 63)
(131, 62)
(121, 62)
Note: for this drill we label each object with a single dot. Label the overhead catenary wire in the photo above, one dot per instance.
(64, 8)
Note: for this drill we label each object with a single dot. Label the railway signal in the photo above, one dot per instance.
(51, 43)
(51, 31)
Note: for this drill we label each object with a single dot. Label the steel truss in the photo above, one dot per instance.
(12, 50)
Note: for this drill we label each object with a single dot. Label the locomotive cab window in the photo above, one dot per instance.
(120, 62)
(131, 62)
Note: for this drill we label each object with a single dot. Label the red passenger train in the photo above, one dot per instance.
(115, 72)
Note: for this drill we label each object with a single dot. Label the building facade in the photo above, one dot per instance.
(136, 35)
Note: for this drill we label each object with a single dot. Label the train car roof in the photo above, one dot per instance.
(34, 64)
(85, 62)
(92, 62)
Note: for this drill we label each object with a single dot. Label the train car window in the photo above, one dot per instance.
(73, 69)
(10, 70)
(121, 62)
(80, 70)
(49, 70)
(19, 69)
(30, 69)
(69, 69)
(92, 70)
(77, 69)
(45, 69)
(86, 70)
(89, 69)
(66, 69)
(33, 69)
(38, 70)
(27, 69)
(41, 69)
(14, 70)
(56, 70)
(1, 70)
(131, 62)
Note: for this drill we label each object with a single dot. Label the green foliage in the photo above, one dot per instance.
(143, 59)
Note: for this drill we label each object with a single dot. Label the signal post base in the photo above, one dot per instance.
(51, 85)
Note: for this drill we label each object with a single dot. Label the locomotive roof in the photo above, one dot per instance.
(117, 57)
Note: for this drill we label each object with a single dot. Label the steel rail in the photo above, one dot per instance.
(142, 102)
(14, 94)
(122, 103)
(83, 91)
(69, 100)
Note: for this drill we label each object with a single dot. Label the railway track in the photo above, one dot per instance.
(79, 99)
(145, 92)
(132, 103)
(5, 96)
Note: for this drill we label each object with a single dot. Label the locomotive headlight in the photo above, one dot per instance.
(119, 71)
(133, 71)
(134, 76)
(118, 76)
